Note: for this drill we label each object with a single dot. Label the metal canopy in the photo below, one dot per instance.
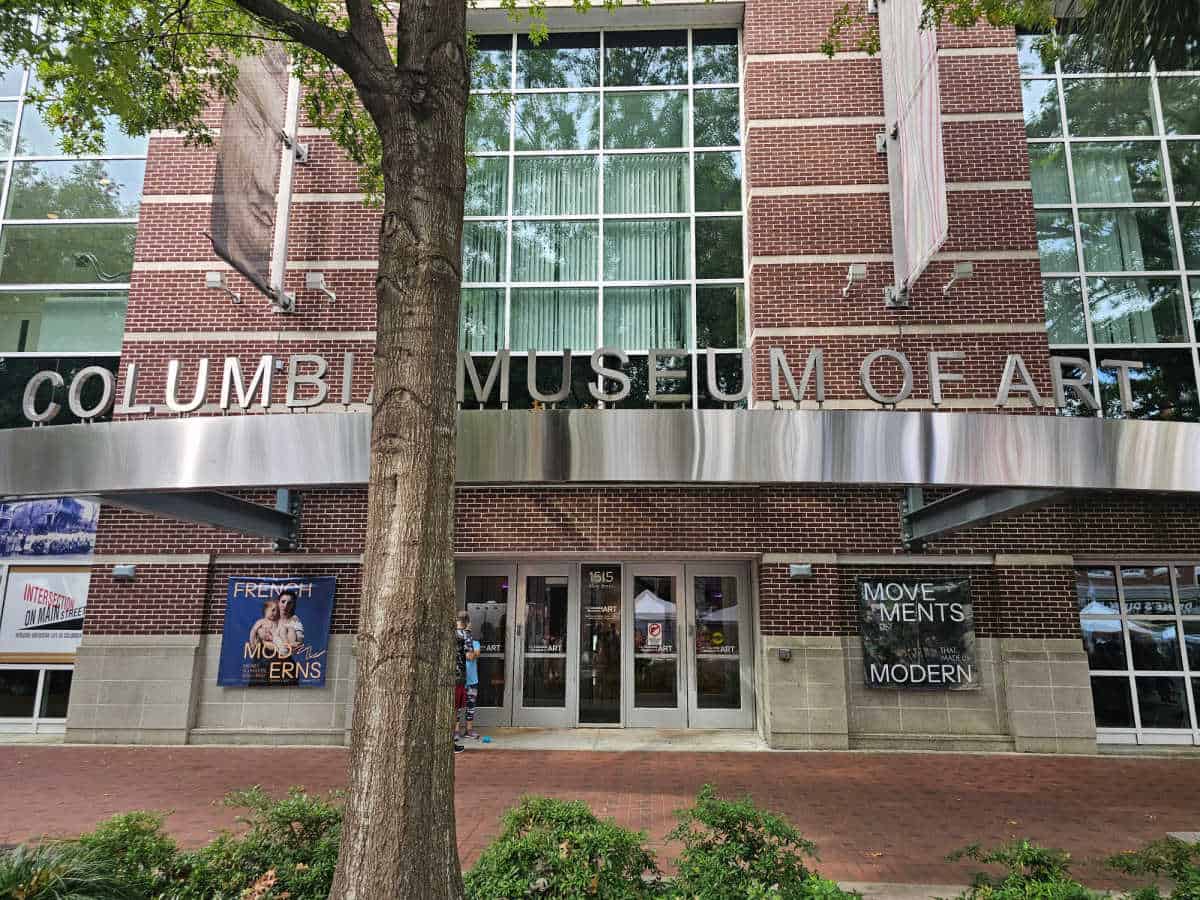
(214, 508)
(922, 522)
(847, 447)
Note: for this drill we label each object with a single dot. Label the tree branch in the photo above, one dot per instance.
(367, 31)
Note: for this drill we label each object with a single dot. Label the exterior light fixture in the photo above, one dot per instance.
(217, 281)
(856, 274)
(962, 271)
(315, 281)
(800, 570)
(124, 572)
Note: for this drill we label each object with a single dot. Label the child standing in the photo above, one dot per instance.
(472, 689)
(465, 655)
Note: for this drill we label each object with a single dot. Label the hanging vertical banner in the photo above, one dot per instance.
(276, 632)
(917, 633)
(908, 53)
(43, 609)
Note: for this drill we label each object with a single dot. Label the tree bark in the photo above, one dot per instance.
(398, 838)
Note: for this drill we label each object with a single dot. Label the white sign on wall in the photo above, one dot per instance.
(43, 609)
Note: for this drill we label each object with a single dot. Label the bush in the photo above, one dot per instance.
(1030, 872)
(734, 850)
(62, 871)
(133, 847)
(1171, 858)
(557, 848)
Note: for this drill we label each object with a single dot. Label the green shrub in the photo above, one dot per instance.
(289, 848)
(134, 848)
(62, 871)
(557, 848)
(1171, 858)
(734, 850)
(1033, 872)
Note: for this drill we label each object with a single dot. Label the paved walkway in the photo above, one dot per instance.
(875, 817)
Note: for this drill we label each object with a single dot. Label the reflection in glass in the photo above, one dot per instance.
(58, 321)
(486, 602)
(716, 615)
(1099, 107)
(10, 81)
(1112, 702)
(720, 316)
(1180, 96)
(1039, 98)
(1185, 169)
(545, 682)
(8, 118)
(554, 251)
(66, 254)
(1164, 389)
(646, 119)
(718, 683)
(1191, 643)
(1137, 310)
(484, 258)
(1104, 641)
(18, 691)
(1189, 227)
(718, 123)
(600, 645)
(1127, 240)
(546, 614)
(731, 378)
(647, 318)
(491, 66)
(1118, 172)
(487, 186)
(481, 320)
(1064, 311)
(1154, 644)
(646, 183)
(18, 371)
(56, 692)
(1029, 56)
(655, 615)
(487, 123)
(715, 56)
(83, 189)
(673, 391)
(645, 58)
(1056, 241)
(1096, 590)
(38, 139)
(719, 182)
(559, 61)
(1162, 702)
(1147, 590)
(549, 380)
(1048, 172)
(1187, 580)
(647, 249)
(491, 681)
(558, 122)
(719, 248)
(655, 683)
(555, 185)
(552, 319)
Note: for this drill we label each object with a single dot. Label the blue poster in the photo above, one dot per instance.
(276, 632)
(63, 526)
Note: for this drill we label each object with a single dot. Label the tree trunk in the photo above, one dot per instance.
(398, 838)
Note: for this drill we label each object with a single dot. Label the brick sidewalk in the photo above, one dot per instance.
(875, 817)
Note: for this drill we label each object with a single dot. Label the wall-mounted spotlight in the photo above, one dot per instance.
(124, 572)
(800, 570)
(962, 271)
(856, 275)
(218, 282)
(315, 281)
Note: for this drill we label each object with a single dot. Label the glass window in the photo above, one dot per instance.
(720, 315)
(556, 185)
(1118, 172)
(1056, 242)
(1064, 311)
(487, 123)
(1191, 639)
(1162, 702)
(645, 119)
(553, 319)
(1165, 388)
(719, 248)
(554, 251)
(1187, 580)
(1185, 169)
(1039, 97)
(83, 189)
(1104, 641)
(1112, 702)
(1048, 172)
(718, 123)
(484, 258)
(1180, 96)
(718, 182)
(646, 183)
(1108, 107)
(559, 61)
(18, 692)
(1189, 227)
(645, 57)
(1029, 56)
(66, 254)
(647, 250)
(56, 691)
(60, 321)
(37, 139)
(1096, 590)
(481, 320)
(715, 56)
(1147, 590)
(1127, 240)
(10, 81)
(648, 318)
(491, 66)
(8, 118)
(558, 122)
(487, 186)
(18, 370)
(1137, 310)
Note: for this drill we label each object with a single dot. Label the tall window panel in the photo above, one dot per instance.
(1115, 166)
(605, 209)
(67, 228)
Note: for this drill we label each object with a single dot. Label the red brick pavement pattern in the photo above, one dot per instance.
(874, 817)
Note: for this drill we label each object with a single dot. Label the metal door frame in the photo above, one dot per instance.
(501, 716)
(650, 717)
(547, 717)
(742, 718)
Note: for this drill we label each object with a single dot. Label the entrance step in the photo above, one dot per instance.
(617, 740)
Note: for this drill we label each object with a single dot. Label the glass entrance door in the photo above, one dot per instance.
(487, 592)
(654, 662)
(600, 644)
(720, 677)
(547, 622)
